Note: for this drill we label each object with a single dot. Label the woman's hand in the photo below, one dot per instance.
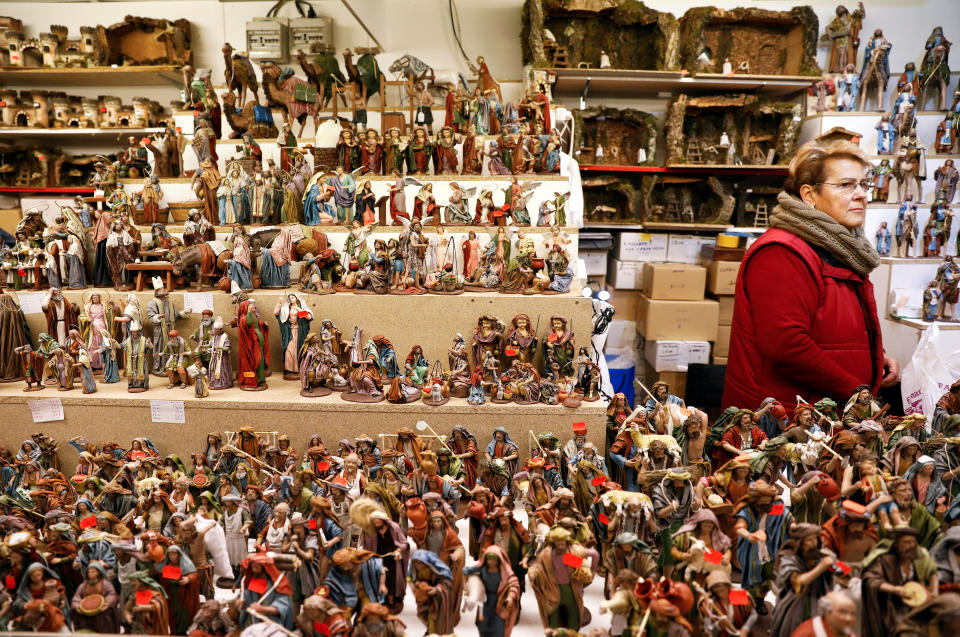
(891, 371)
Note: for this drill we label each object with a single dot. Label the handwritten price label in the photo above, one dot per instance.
(46, 409)
(167, 411)
(198, 301)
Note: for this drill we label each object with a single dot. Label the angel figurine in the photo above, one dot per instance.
(517, 196)
(457, 212)
(553, 211)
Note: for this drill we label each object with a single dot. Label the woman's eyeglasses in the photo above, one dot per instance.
(847, 186)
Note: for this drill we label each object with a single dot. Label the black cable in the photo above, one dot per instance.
(599, 327)
(606, 315)
(456, 35)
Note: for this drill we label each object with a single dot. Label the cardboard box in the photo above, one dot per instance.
(677, 320)
(726, 308)
(595, 262)
(674, 281)
(621, 333)
(906, 303)
(9, 218)
(640, 246)
(721, 346)
(675, 356)
(624, 302)
(719, 360)
(722, 277)
(676, 381)
(625, 275)
(685, 248)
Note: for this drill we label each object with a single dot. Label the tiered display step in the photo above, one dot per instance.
(156, 75)
(429, 320)
(279, 408)
(619, 81)
(74, 135)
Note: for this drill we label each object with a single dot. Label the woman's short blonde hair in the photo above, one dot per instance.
(808, 165)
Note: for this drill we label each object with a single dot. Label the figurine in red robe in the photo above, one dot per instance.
(254, 343)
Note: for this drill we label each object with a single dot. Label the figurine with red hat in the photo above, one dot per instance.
(850, 535)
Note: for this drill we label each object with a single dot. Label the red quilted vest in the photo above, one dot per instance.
(845, 310)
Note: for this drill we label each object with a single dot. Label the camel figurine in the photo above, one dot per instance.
(323, 72)
(282, 88)
(242, 121)
(239, 74)
(365, 74)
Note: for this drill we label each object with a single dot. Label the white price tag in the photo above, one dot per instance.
(198, 301)
(46, 409)
(169, 411)
(31, 302)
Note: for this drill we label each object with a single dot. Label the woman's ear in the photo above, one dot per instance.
(807, 195)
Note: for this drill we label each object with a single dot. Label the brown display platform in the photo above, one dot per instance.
(113, 414)
(428, 320)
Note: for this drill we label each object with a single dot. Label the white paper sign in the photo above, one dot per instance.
(198, 301)
(169, 411)
(46, 409)
(31, 302)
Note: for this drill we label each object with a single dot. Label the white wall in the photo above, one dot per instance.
(422, 27)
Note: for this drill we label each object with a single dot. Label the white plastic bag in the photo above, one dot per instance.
(928, 375)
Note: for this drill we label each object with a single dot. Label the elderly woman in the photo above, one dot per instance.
(805, 319)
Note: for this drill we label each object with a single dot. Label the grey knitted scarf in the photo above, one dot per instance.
(850, 247)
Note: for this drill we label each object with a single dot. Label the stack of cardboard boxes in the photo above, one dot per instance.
(682, 305)
(722, 285)
(676, 323)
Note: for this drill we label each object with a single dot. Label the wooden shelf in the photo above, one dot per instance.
(685, 227)
(79, 190)
(733, 169)
(177, 227)
(688, 169)
(919, 324)
(658, 226)
(601, 168)
(73, 134)
(875, 114)
(620, 81)
(610, 225)
(159, 75)
(911, 260)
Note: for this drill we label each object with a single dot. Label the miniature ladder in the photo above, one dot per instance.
(560, 57)
(761, 219)
(672, 212)
(694, 156)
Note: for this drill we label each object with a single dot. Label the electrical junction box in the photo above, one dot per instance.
(305, 31)
(267, 39)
